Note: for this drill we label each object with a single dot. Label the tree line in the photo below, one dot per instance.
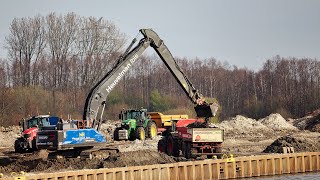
(53, 61)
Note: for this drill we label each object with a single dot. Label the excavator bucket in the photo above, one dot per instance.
(206, 110)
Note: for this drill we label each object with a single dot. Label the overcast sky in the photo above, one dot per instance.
(244, 33)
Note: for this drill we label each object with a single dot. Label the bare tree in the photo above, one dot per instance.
(97, 42)
(25, 44)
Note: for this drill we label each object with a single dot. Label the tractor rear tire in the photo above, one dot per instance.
(172, 147)
(140, 133)
(162, 145)
(152, 129)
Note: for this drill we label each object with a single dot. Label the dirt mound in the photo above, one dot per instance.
(300, 144)
(37, 164)
(243, 125)
(197, 125)
(310, 122)
(277, 122)
(137, 158)
(9, 135)
(138, 145)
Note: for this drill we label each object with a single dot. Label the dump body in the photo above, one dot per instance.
(163, 121)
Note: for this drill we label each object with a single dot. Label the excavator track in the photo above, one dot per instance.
(97, 152)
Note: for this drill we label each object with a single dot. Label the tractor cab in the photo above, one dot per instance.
(135, 124)
(38, 121)
(133, 114)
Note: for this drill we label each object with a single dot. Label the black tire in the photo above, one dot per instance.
(152, 129)
(116, 134)
(162, 145)
(140, 133)
(172, 147)
(34, 144)
(209, 156)
(17, 147)
(186, 150)
(219, 150)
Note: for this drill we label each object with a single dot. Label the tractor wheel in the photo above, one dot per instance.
(34, 145)
(172, 147)
(17, 147)
(152, 129)
(116, 134)
(162, 145)
(140, 133)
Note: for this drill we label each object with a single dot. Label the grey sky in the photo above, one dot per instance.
(244, 33)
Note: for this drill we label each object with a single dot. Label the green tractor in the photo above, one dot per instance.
(135, 124)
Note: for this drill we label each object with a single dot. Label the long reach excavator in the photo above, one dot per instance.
(84, 135)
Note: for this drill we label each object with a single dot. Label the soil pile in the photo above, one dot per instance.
(137, 158)
(310, 122)
(36, 164)
(299, 144)
(197, 125)
(268, 126)
(9, 135)
(138, 145)
(243, 125)
(277, 122)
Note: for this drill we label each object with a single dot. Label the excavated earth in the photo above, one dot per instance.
(243, 136)
(35, 162)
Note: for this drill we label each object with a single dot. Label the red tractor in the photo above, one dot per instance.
(27, 141)
(191, 138)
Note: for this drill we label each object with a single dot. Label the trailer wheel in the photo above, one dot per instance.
(152, 129)
(172, 147)
(162, 145)
(186, 149)
(219, 150)
(140, 133)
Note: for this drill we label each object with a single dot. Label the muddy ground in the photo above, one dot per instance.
(35, 163)
(243, 136)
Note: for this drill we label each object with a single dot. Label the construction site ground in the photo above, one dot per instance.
(243, 136)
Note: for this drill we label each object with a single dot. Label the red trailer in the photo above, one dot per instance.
(191, 138)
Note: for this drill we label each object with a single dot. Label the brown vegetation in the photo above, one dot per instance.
(53, 62)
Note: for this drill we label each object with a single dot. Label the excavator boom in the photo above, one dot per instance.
(95, 102)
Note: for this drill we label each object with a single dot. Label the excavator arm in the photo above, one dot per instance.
(95, 102)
